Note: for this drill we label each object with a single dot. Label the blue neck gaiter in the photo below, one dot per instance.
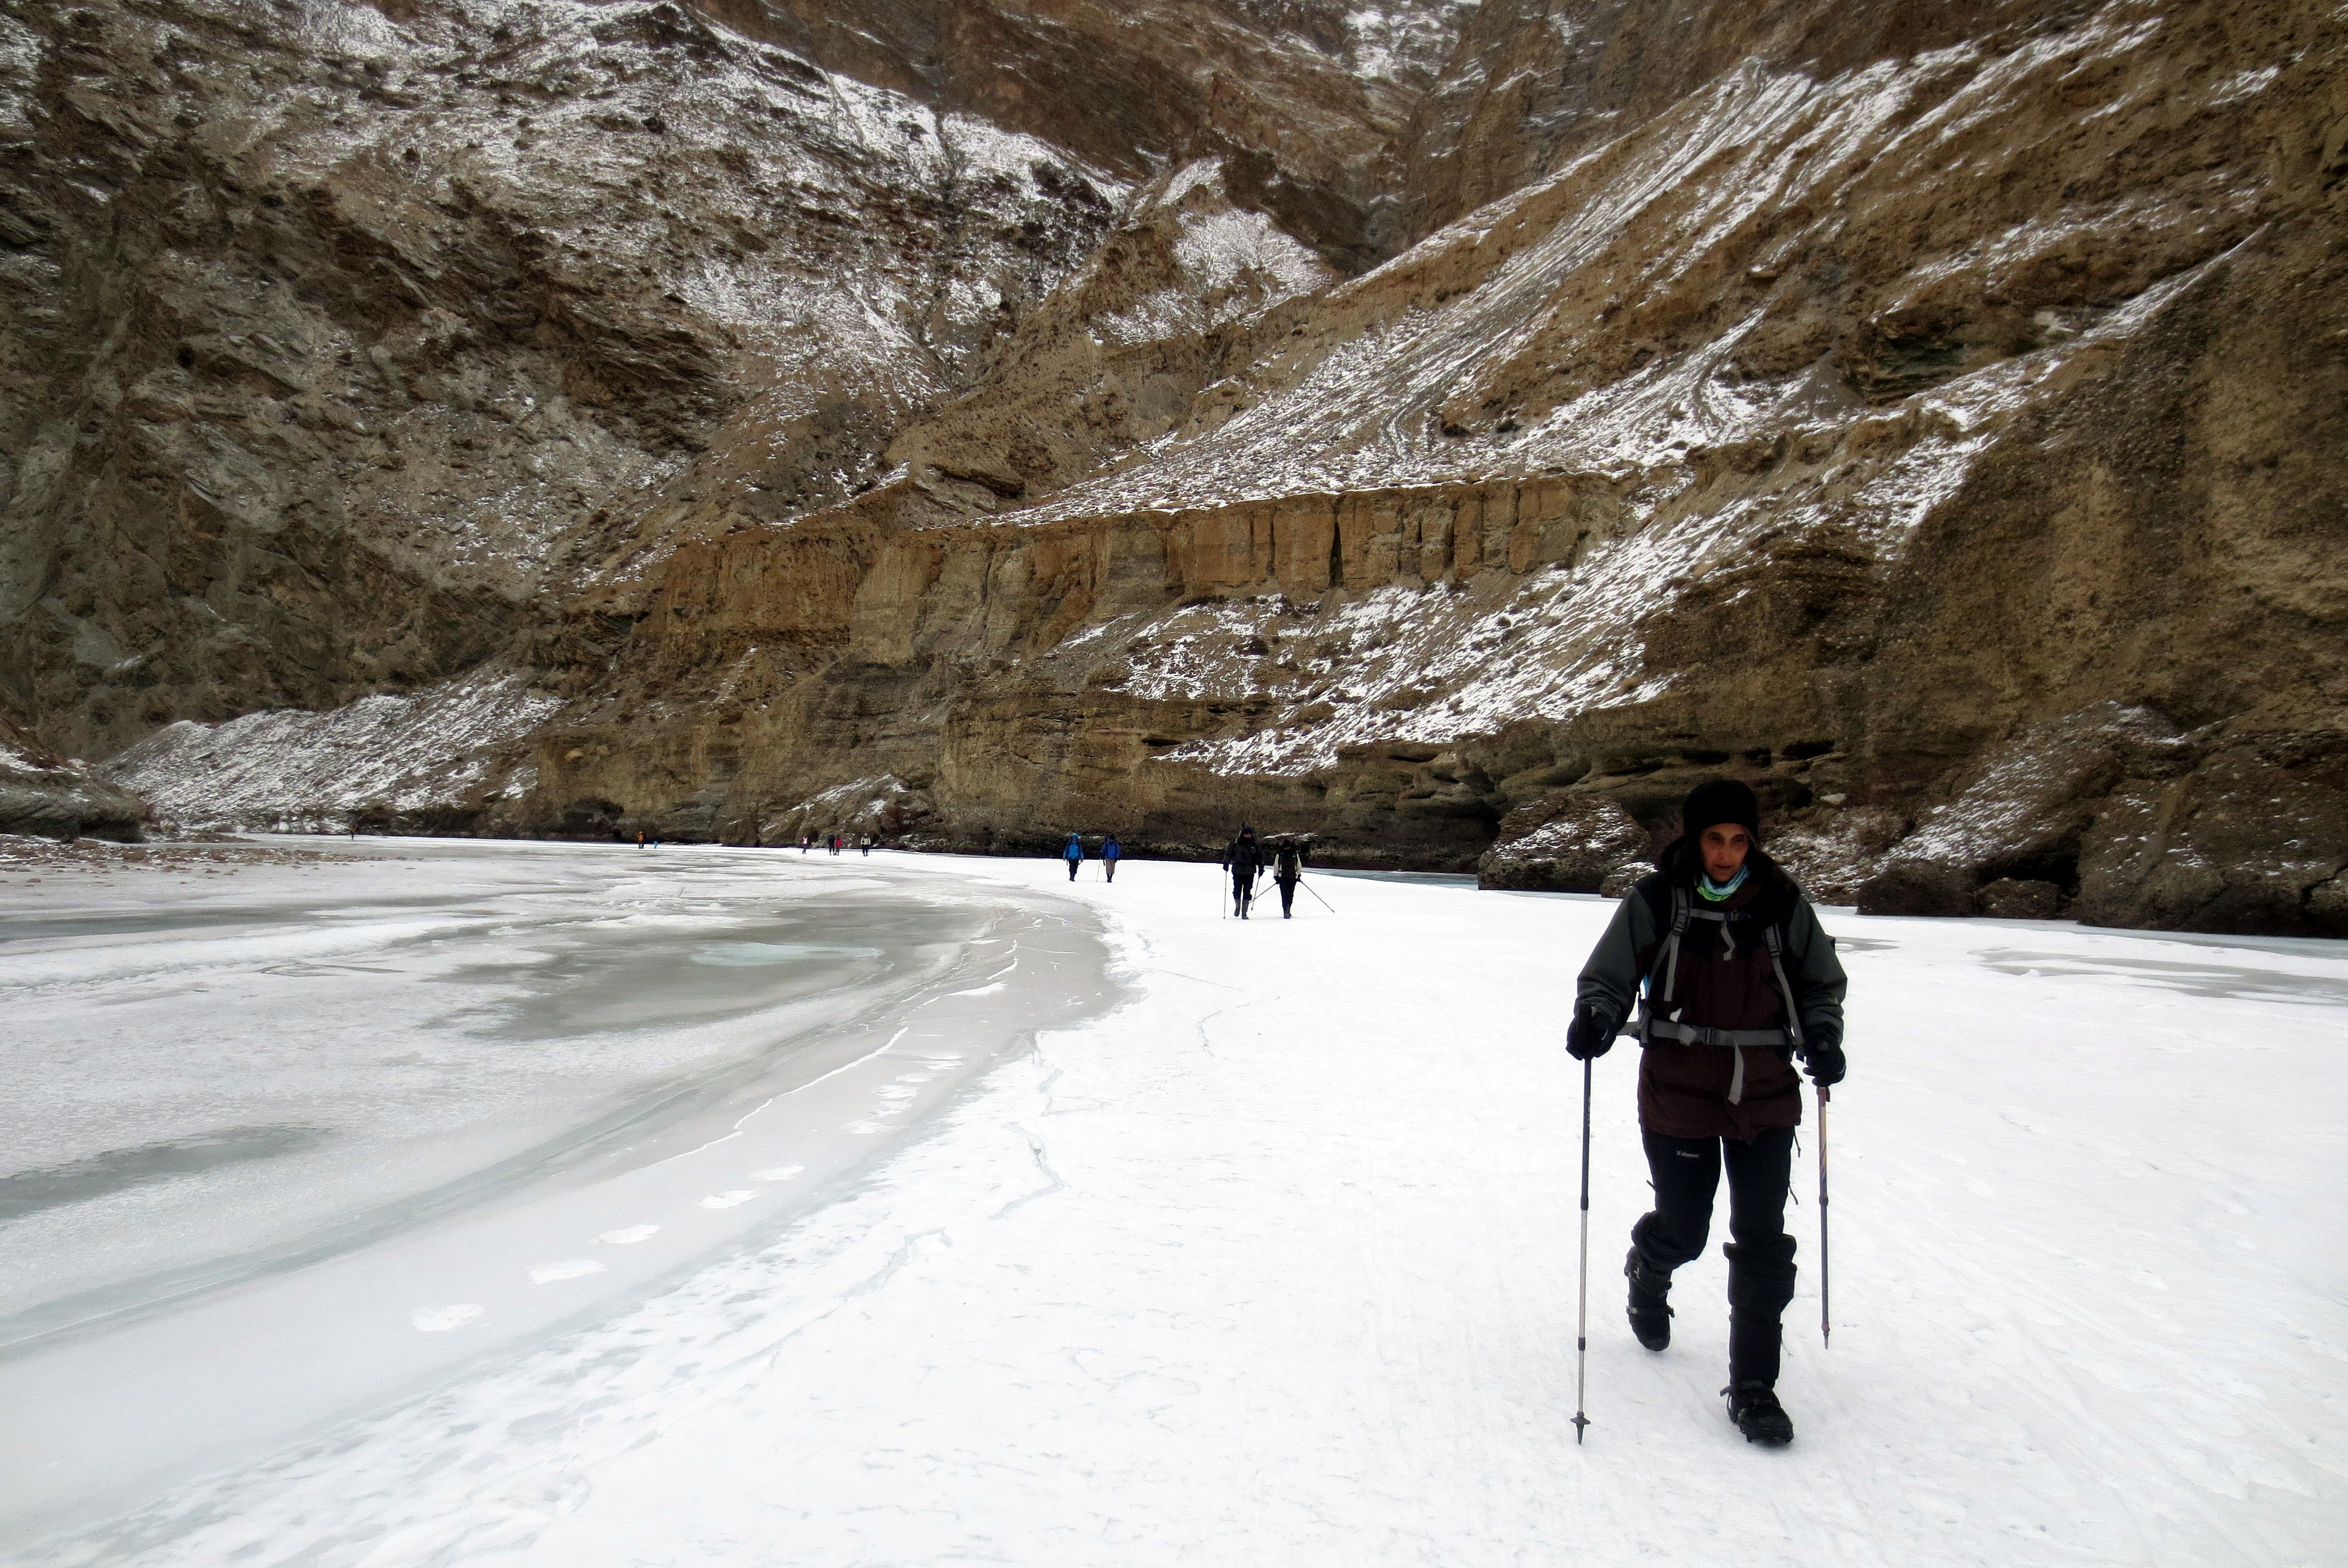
(1713, 891)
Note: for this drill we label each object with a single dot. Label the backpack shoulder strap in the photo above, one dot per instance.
(1774, 932)
(1672, 941)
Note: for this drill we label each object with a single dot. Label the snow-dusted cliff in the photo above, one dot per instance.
(1449, 428)
(433, 759)
(339, 340)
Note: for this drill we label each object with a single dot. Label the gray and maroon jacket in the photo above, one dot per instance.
(1712, 1015)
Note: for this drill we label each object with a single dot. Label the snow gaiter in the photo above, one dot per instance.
(1760, 1252)
(1753, 1345)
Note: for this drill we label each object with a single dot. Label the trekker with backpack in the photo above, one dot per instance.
(1111, 852)
(1243, 858)
(1734, 978)
(1287, 870)
(1073, 851)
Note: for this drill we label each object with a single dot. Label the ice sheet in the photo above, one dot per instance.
(1276, 1265)
(294, 1056)
(280, 1160)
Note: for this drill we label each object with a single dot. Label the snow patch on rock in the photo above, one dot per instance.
(289, 767)
(883, 805)
(1403, 44)
(1234, 265)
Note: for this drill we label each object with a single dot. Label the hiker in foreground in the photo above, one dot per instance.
(1734, 978)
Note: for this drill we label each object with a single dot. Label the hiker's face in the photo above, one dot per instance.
(1725, 845)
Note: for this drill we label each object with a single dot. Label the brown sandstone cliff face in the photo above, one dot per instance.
(1471, 427)
(1937, 430)
(1025, 678)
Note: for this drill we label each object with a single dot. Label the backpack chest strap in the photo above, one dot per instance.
(1651, 1028)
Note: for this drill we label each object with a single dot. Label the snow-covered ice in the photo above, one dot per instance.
(1274, 1263)
(267, 1129)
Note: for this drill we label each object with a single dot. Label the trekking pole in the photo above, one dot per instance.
(1581, 1332)
(1826, 1319)
(1323, 902)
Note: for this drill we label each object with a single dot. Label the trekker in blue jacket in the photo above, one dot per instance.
(1111, 852)
(1073, 851)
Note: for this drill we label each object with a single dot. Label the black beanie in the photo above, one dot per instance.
(1720, 800)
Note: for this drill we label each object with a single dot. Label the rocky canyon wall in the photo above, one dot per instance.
(335, 341)
(1451, 430)
(1952, 460)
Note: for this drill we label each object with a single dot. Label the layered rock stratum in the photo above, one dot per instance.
(1447, 428)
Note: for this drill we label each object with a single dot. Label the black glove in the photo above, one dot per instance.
(1591, 1033)
(1822, 1056)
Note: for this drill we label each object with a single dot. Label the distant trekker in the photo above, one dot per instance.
(1738, 979)
(1243, 858)
(867, 846)
(1287, 870)
(639, 838)
(1073, 851)
(806, 842)
(835, 843)
(1111, 852)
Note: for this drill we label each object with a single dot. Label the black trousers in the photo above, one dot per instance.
(1242, 891)
(1687, 1173)
(1287, 897)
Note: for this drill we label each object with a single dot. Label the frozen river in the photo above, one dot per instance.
(292, 1140)
(511, 1206)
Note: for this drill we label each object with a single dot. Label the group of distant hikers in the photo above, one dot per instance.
(1246, 859)
(836, 843)
(1111, 851)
